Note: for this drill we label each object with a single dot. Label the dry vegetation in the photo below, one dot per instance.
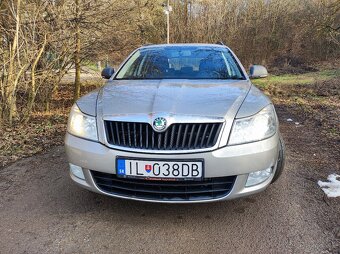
(313, 99)
(44, 130)
(42, 40)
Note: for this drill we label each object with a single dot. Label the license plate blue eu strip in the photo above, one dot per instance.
(121, 167)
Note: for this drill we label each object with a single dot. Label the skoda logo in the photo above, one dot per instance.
(159, 124)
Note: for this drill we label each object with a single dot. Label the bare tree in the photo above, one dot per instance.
(10, 74)
(40, 40)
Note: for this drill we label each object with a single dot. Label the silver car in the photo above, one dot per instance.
(177, 123)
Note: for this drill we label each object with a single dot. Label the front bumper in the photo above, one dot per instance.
(238, 160)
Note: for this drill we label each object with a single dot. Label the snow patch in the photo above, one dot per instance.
(332, 187)
(289, 120)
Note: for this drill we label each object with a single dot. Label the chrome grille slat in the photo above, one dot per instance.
(117, 131)
(178, 136)
(204, 133)
(140, 135)
(153, 140)
(219, 127)
(147, 136)
(134, 135)
(185, 135)
(165, 140)
(159, 141)
(210, 134)
(129, 133)
(172, 135)
(191, 135)
(198, 135)
(123, 132)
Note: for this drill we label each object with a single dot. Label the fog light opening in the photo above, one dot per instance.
(77, 171)
(258, 177)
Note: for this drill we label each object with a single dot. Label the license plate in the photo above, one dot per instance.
(159, 169)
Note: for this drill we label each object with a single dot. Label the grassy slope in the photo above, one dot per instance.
(314, 98)
(306, 78)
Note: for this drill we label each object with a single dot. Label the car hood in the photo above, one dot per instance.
(206, 98)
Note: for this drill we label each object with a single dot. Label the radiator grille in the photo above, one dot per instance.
(178, 136)
(208, 188)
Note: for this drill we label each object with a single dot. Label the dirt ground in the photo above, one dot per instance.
(42, 211)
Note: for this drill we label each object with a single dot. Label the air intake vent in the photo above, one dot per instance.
(208, 188)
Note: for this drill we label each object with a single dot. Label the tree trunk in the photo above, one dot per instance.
(77, 83)
(10, 83)
(33, 90)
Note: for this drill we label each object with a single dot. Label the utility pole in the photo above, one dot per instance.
(168, 24)
(167, 10)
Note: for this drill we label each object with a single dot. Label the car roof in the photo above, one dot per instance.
(184, 45)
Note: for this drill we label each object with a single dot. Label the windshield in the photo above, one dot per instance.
(181, 62)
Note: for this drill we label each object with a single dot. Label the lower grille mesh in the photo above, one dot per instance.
(208, 188)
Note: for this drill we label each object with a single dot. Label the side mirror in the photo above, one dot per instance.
(107, 72)
(258, 71)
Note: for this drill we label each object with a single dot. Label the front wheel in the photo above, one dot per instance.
(281, 161)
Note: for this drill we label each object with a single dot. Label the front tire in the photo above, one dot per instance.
(280, 161)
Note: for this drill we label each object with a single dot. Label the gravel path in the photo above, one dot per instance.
(42, 211)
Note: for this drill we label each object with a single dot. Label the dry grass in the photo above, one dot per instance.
(293, 79)
(314, 98)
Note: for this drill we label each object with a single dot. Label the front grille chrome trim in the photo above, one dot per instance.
(178, 137)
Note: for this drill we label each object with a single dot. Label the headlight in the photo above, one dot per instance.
(260, 126)
(82, 125)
